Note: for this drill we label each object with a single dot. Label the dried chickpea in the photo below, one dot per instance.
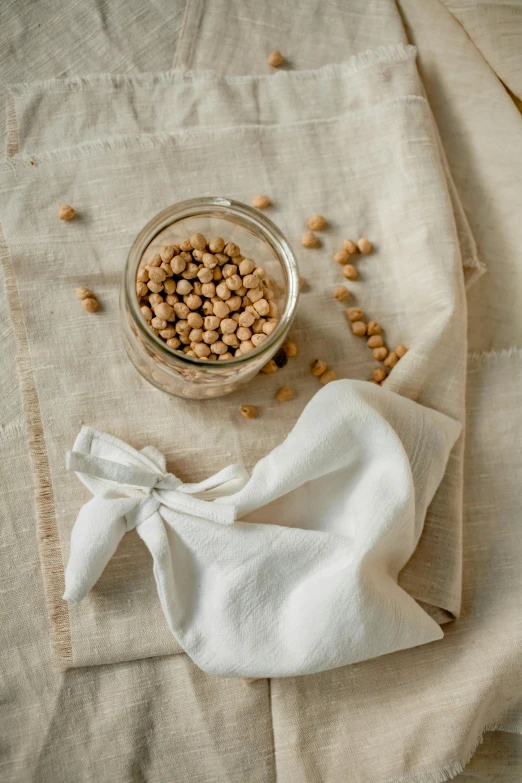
(198, 241)
(186, 256)
(157, 274)
(391, 360)
(234, 282)
(198, 254)
(364, 245)
(257, 339)
(246, 346)
(210, 336)
(195, 320)
(186, 245)
(284, 394)
(241, 292)
(273, 310)
(207, 307)
(165, 311)
(173, 343)
(269, 368)
(83, 293)
(269, 326)
(159, 323)
(143, 275)
(168, 333)
(380, 353)
(243, 333)
(168, 251)
(181, 310)
(230, 339)
(379, 375)
(155, 299)
(359, 328)
(190, 272)
(246, 318)
(328, 377)
(375, 341)
(211, 322)
(205, 275)
(225, 356)
(400, 350)
(171, 299)
(316, 222)
(341, 257)
(169, 286)
(309, 239)
(255, 294)
(350, 272)
(319, 367)
(167, 269)
(248, 411)
(260, 202)
(354, 313)
(251, 281)
(290, 348)
(66, 212)
(218, 348)
(246, 267)
(228, 270)
(223, 291)
(341, 293)
(196, 335)
(222, 258)
(154, 287)
(350, 247)
(216, 245)
(178, 265)
(232, 250)
(257, 326)
(193, 301)
(262, 307)
(275, 59)
(217, 274)
(154, 261)
(201, 350)
(209, 260)
(234, 303)
(260, 272)
(221, 309)
(374, 327)
(146, 312)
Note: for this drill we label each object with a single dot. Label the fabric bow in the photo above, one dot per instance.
(129, 488)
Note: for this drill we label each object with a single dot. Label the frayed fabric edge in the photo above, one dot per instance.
(48, 540)
(382, 55)
(439, 774)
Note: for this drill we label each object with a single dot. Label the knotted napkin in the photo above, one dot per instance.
(294, 569)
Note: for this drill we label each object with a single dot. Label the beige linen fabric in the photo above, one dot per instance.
(435, 278)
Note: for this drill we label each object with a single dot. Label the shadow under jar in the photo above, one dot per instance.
(259, 239)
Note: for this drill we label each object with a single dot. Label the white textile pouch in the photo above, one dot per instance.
(294, 569)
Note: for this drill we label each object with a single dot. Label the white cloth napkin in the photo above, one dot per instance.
(294, 569)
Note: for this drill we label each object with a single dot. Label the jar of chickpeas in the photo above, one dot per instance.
(209, 293)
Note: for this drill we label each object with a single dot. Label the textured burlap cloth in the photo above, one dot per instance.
(339, 724)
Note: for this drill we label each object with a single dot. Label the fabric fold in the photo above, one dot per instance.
(306, 579)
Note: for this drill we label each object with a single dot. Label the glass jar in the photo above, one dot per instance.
(258, 238)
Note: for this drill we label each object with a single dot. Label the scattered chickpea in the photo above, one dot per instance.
(328, 377)
(302, 284)
(316, 223)
(275, 59)
(83, 293)
(349, 247)
(341, 257)
(66, 212)
(380, 353)
(284, 394)
(379, 375)
(248, 411)
(359, 328)
(364, 245)
(90, 303)
(341, 293)
(319, 367)
(354, 313)
(401, 350)
(290, 348)
(309, 239)
(260, 201)
(350, 272)
(269, 368)
(374, 328)
(375, 341)
(391, 360)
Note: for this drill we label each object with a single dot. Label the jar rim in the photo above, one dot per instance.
(244, 215)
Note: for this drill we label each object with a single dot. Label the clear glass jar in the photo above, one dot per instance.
(258, 238)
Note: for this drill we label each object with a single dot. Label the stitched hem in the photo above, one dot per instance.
(48, 540)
